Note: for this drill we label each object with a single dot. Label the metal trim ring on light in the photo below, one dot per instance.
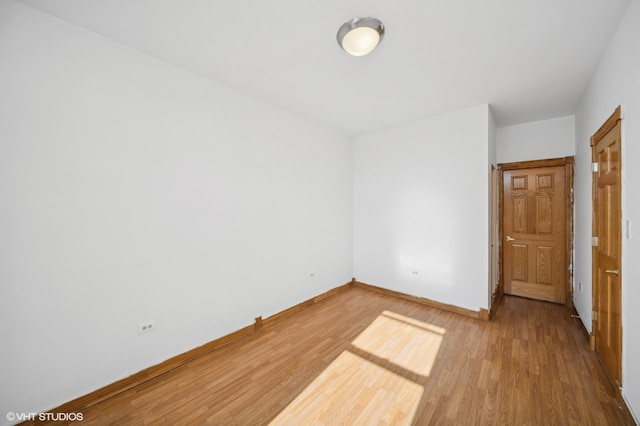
(356, 23)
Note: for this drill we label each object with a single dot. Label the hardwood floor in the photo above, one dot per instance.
(361, 357)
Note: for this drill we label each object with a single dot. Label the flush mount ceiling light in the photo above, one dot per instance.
(360, 36)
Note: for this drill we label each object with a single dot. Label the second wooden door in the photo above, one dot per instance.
(607, 249)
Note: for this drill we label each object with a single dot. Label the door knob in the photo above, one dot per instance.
(612, 271)
(510, 239)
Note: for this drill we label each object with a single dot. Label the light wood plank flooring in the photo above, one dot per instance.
(361, 357)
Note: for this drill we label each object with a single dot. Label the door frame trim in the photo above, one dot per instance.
(568, 163)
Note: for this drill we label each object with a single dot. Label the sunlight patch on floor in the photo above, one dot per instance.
(403, 341)
(379, 380)
(353, 390)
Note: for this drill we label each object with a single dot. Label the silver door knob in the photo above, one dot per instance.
(510, 239)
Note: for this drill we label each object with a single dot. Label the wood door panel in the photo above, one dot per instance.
(544, 273)
(520, 215)
(534, 220)
(544, 181)
(519, 182)
(544, 214)
(520, 265)
(608, 320)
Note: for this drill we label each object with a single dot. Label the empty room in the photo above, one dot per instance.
(286, 213)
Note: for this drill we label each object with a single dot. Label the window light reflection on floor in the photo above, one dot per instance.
(377, 380)
(403, 341)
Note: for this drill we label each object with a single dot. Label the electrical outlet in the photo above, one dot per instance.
(414, 272)
(145, 327)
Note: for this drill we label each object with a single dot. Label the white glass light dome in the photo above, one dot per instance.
(359, 36)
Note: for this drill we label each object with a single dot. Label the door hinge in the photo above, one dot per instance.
(594, 167)
(594, 316)
(594, 241)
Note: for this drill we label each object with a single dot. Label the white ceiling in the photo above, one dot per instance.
(529, 59)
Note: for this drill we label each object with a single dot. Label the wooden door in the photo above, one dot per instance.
(534, 233)
(607, 296)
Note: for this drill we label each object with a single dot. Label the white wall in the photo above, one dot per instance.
(617, 82)
(421, 203)
(131, 190)
(537, 140)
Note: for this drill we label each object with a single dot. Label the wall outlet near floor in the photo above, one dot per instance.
(145, 327)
